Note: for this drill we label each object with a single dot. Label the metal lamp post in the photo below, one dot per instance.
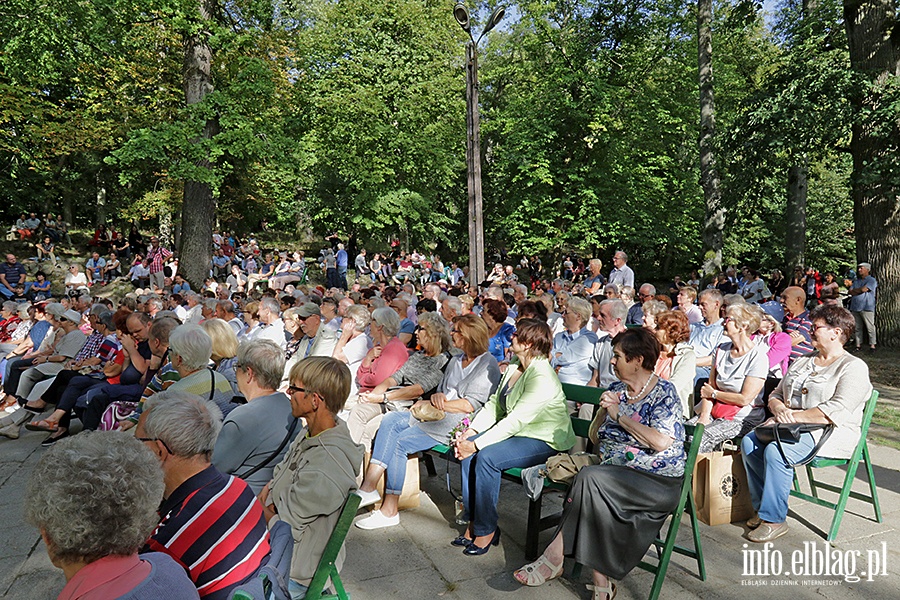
(473, 140)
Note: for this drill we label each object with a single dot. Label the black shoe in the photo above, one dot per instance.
(461, 541)
(473, 550)
(54, 438)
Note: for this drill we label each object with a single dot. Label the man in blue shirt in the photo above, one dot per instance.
(94, 268)
(707, 334)
(341, 258)
(862, 303)
(12, 278)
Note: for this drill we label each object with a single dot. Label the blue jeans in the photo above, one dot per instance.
(395, 440)
(297, 590)
(768, 477)
(481, 480)
(9, 293)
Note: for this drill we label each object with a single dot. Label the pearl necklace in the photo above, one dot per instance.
(640, 393)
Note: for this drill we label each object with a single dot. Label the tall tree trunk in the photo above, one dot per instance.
(198, 212)
(874, 39)
(795, 214)
(709, 176)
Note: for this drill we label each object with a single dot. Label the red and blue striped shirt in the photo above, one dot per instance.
(214, 527)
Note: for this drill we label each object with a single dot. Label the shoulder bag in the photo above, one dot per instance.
(789, 433)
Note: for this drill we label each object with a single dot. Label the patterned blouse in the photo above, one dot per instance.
(659, 409)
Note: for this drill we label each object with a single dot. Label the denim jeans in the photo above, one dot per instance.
(481, 476)
(395, 440)
(768, 477)
(297, 590)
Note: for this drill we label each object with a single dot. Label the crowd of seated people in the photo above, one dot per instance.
(290, 385)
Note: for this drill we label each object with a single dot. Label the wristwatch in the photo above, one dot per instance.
(715, 394)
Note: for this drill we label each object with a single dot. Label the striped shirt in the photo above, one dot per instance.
(214, 527)
(802, 325)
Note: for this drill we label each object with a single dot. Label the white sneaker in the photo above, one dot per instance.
(378, 521)
(367, 498)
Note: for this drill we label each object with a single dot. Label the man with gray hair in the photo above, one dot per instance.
(209, 521)
(612, 322)
(225, 311)
(271, 326)
(622, 273)
(451, 308)
(154, 305)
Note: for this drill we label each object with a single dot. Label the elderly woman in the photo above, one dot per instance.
(17, 322)
(677, 361)
(687, 297)
(827, 386)
(652, 308)
(501, 332)
(468, 382)
(523, 424)
(573, 348)
(614, 510)
(311, 485)
(354, 342)
(251, 319)
(224, 349)
(417, 378)
(387, 354)
(75, 281)
(255, 435)
(731, 401)
(292, 321)
(95, 523)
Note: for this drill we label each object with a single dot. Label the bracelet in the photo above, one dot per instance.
(384, 397)
(617, 417)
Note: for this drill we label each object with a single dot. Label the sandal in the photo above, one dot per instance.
(609, 591)
(532, 576)
(9, 403)
(42, 425)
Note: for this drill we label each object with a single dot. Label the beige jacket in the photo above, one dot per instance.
(839, 390)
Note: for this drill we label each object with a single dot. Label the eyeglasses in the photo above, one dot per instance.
(293, 389)
(165, 445)
(452, 331)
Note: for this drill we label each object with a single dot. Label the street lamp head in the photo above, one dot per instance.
(461, 14)
(496, 17)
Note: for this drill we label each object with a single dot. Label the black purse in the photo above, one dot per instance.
(789, 433)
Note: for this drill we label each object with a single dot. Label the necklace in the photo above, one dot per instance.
(640, 393)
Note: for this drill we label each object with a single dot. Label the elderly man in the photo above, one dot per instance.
(622, 273)
(271, 327)
(225, 311)
(707, 334)
(209, 522)
(318, 339)
(612, 322)
(862, 304)
(796, 321)
(451, 308)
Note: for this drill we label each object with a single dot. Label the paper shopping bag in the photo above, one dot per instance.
(720, 488)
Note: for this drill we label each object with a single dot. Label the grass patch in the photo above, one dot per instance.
(887, 416)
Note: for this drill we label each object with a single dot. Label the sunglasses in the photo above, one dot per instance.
(293, 389)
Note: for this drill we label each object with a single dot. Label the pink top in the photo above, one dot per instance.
(392, 358)
(779, 350)
(108, 577)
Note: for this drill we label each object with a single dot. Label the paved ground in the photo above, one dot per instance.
(415, 559)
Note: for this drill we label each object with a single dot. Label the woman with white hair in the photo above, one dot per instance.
(15, 326)
(255, 435)
(388, 353)
(94, 524)
(573, 348)
(354, 343)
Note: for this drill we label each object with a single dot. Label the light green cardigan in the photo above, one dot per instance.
(535, 408)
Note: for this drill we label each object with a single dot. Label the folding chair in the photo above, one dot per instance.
(844, 491)
(665, 548)
(327, 569)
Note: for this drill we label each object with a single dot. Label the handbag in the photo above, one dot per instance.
(426, 412)
(562, 468)
(790, 433)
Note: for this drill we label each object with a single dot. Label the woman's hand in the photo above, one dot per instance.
(610, 401)
(784, 416)
(125, 425)
(706, 392)
(438, 400)
(464, 449)
(269, 509)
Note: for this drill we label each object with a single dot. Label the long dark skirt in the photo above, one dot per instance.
(612, 514)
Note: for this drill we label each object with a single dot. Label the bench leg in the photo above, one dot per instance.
(533, 529)
(429, 464)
